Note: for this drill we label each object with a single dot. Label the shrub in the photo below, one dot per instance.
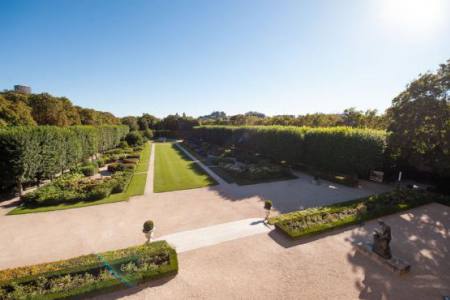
(100, 162)
(134, 138)
(134, 155)
(98, 192)
(115, 167)
(89, 170)
(268, 204)
(148, 226)
(85, 275)
(130, 161)
(148, 134)
(120, 181)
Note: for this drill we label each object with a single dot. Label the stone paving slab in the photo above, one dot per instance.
(216, 234)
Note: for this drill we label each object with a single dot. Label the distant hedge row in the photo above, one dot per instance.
(30, 153)
(336, 149)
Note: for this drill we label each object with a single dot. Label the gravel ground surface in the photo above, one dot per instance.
(267, 266)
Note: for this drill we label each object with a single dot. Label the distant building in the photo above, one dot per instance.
(22, 89)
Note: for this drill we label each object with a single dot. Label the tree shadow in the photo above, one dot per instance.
(421, 237)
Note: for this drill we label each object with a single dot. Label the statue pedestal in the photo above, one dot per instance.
(394, 264)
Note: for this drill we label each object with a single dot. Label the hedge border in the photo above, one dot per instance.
(170, 269)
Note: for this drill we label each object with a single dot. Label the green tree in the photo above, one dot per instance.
(420, 123)
(130, 122)
(15, 113)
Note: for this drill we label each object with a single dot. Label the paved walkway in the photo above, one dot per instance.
(207, 170)
(212, 235)
(150, 172)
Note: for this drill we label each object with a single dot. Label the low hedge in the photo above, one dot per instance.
(90, 274)
(89, 170)
(348, 180)
(316, 220)
(116, 167)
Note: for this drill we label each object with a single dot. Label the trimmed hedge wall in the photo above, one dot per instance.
(90, 274)
(30, 153)
(316, 220)
(334, 149)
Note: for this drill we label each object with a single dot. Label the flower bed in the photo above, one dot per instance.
(72, 188)
(89, 274)
(315, 220)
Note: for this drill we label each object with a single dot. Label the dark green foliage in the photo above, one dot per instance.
(316, 220)
(267, 204)
(71, 188)
(84, 275)
(337, 149)
(134, 138)
(130, 161)
(148, 226)
(116, 167)
(147, 134)
(30, 153)
(89, 170)
(420, 125)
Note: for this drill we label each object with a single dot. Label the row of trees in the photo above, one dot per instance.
(171, 122)
(44, 109)
(350, 117)
(39, 152)
(336, 149)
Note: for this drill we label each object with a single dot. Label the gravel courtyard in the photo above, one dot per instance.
(267, 266)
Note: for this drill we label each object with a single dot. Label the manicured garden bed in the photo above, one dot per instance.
(72, 191)
(175, 171)
(90, 274)
(316, 220)
(246, 169)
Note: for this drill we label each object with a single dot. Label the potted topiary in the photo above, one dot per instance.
(267, 207)
(148, 230)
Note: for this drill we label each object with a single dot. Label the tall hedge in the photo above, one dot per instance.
(30, 153)
(335, 149)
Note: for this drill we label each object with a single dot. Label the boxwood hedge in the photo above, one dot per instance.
(90, 274)
(316, 220)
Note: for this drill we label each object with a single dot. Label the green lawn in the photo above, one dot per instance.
(175, 171)
(135, 188)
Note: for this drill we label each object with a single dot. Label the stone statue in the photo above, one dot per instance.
(381, 240)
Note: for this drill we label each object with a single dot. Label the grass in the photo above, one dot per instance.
(175, 171)
(135, 188)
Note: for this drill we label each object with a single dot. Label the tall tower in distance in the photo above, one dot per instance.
(23, 89)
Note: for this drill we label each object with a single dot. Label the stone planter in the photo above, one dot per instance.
(149, 235)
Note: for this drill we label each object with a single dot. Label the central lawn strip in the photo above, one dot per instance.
(174, 170)
(135, 187)
(90, 274)
(316, 220)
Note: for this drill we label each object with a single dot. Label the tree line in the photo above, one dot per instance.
(17, 109)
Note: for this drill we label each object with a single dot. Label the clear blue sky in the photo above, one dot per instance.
(276, 57)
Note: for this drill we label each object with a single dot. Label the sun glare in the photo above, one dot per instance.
(413, 16)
